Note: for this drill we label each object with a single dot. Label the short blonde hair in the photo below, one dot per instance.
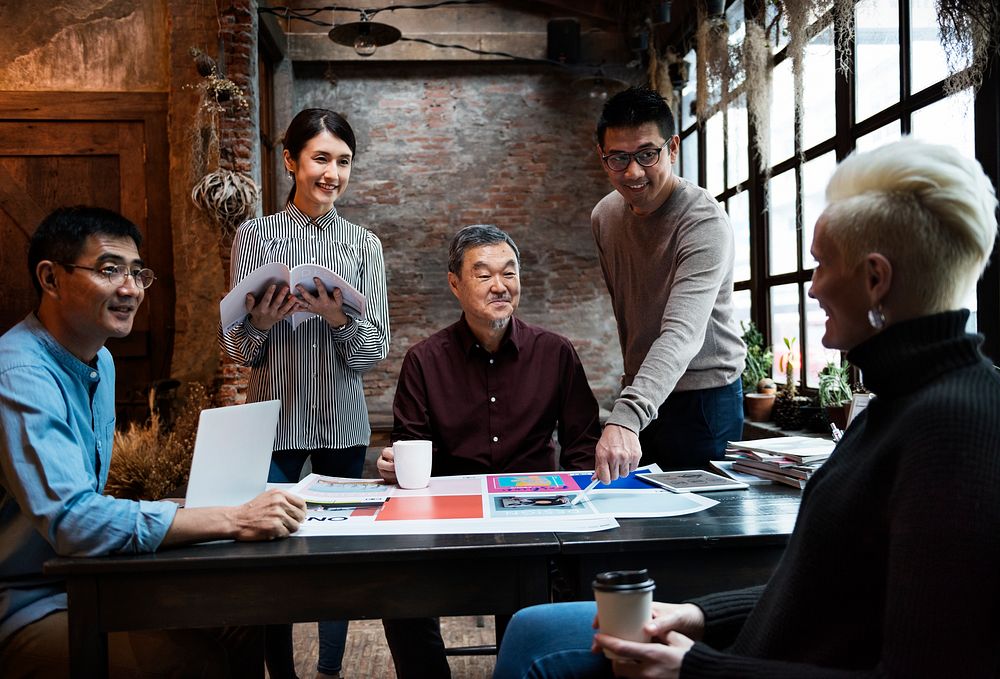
(930, 210)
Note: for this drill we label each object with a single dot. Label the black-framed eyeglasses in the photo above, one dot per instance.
(117, 273)
(619, 162)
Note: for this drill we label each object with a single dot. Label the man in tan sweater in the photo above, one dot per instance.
(666, 250)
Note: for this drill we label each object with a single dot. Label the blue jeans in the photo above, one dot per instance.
(286, 466)
(693, 427)
(550, 642)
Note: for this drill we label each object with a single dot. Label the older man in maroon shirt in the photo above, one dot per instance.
(489, 391)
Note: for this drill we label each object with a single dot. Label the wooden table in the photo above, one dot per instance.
(299, 579)
(733, 544)
(736, 543)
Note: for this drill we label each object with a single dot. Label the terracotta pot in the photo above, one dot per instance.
(758, 406)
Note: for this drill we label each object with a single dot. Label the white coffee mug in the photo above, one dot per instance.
(413, 463)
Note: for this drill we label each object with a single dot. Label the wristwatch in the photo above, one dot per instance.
(341, 327)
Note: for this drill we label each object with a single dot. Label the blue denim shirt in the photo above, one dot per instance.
(57, 422)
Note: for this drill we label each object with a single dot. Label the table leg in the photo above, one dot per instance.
(88, 643)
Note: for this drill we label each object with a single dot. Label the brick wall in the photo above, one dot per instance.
(443, 145)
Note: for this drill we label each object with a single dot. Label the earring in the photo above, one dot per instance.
(291, 175)
(876, 317)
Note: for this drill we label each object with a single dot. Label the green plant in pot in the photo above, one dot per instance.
(758, 387)
(787, 406)
(835, 391)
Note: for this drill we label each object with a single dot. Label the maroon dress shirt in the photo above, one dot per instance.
(492, 413)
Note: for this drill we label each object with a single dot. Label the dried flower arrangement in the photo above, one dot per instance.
(152, 460)
(216, 89)
(228, 197)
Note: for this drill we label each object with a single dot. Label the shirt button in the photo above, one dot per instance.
(93, 373)
(493, 399)
(495, 439)
(313, 259)
(314, 346)
(491, 361)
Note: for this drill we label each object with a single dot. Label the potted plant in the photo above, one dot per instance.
(788, 405)
(758, 387)
(835, 391)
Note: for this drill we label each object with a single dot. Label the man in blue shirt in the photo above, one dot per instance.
(57, 423)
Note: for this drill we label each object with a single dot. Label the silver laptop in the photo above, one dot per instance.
(232, 454)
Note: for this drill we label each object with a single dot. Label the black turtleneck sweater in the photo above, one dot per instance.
(893, 569)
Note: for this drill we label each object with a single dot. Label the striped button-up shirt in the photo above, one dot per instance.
(315, 370)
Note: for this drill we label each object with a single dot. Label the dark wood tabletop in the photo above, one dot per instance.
(299, 579)
(736, 543)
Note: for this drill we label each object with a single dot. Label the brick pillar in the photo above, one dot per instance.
(238, 141)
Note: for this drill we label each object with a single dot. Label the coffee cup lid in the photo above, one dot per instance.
(613, 581)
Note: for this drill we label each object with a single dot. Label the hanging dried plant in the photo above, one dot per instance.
(843, 18)
(717, 64)
(230, 198)
(970, 33)
(758, 67)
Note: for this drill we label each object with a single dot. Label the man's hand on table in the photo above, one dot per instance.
(617, 453)
(272, 514)
(386, 466)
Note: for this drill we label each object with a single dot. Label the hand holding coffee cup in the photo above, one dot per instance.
(412, 461)
(624, 604)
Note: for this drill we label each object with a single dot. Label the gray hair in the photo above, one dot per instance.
(475, 236)
(930, 210)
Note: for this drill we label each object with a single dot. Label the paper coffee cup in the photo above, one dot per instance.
(413, 463)
(624, 604)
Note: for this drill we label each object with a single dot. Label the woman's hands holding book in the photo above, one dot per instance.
(272, 307)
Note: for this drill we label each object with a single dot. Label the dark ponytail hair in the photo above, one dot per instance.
(311, 122)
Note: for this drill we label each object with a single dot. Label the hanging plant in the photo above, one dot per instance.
(229, 198)
(758, 66)
(718, 64)
(970, 33)
(216, 89)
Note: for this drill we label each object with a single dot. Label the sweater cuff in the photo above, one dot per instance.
(725, 613)
(624, 415)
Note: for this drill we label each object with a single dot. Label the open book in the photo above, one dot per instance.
(233, 309)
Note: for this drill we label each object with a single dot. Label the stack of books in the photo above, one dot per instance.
(786, 459)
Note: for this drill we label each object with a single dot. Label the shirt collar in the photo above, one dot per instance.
(512, 338)
(62, 355)
(303, 220)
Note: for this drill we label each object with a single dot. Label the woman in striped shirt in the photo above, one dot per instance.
(316, 368)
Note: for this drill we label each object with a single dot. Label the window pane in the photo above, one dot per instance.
(714, 149)
(949, 121)
(817, 356)
(819, 120)
(784, 323)
(689, 157)
(782, 113)
(741, 306)
(815, 175)
(781, 199)
(739, 216)
(877, 39)
(689, 92)
(928, 63)
(883, 135)
(737, 144)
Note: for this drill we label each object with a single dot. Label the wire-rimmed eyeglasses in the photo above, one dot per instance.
(117, 273)
(619, 162)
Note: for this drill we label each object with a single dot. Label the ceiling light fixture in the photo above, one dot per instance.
(365, 36)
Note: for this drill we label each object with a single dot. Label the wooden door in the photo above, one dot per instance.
(102, 150)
